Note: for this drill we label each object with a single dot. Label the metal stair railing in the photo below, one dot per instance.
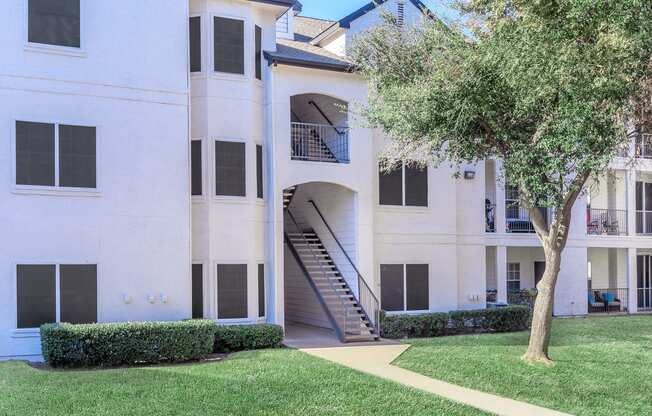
(366, 298)
(342, 327)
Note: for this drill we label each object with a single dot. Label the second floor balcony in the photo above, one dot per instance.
(319, 129)
(320, 143)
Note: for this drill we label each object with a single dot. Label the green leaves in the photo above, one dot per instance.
(542, 85)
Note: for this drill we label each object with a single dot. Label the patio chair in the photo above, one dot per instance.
(595, 305)
(612, 303)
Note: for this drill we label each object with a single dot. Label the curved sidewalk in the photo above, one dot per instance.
(377, 359)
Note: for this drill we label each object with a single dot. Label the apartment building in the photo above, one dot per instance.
(166, 160)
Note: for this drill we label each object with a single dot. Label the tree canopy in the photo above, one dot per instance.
(542, 84)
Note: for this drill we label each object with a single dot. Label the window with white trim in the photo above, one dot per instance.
(404, 287)
(55, 155)
(406, 185)
(513, 277)
(54, 22)
(50, 293)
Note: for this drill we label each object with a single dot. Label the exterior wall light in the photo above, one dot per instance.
(126, 299)
(469, 174)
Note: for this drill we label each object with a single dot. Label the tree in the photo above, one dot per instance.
(544, 85)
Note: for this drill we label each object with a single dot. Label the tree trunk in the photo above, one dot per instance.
(542, 315)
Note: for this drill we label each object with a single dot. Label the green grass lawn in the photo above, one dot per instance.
(603, 365)
(274, 382)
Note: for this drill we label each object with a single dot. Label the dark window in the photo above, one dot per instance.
(197, 291)
(416, 283)
(259, 53)
(229, 45)
(391, 187)
(77, 157)
(639, 196)
(391, 287)
(54, 22)
(36, 295)
(230, 172)
(196, 167)
(232, 291)
(259, 171)
(416, 186)
(34, 154)
(195, 44)
(78, 293)
(648, 196)
(261, 290)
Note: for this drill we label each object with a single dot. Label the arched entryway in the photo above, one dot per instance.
(323, 288)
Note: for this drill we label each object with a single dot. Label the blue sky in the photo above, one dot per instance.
(336, 9)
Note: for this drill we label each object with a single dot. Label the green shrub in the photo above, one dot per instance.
(512, 318)
(229, 338)
(468, 321)
(108, 345)
(414, 326)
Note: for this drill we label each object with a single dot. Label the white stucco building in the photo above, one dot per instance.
(175, 159)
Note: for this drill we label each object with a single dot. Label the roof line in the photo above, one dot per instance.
(274, 60)
(345, 22)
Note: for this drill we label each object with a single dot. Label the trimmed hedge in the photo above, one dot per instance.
(247, 337)
(508, 319)
(108, 345)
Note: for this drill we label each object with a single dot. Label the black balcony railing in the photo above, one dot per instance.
(608, 300)
(644, 146)
(320, 143)
(644, 222)
(606, 221)
(517, 219)
(490, 218)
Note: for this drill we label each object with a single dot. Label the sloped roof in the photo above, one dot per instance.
(306, 28)
(345, 22)
(297, 53)
(286, 3)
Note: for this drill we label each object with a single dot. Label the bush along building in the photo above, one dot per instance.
(199, 159)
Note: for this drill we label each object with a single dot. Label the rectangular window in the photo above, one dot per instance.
(35, 154)
(391, 187)
(232, 291)
(404, 186)
(197, 291)
(416, 186)
(392, 287)
(258, 61)
(513, 277)
(36, 295)
(416, 287)
(229, 45)
(37, 146)
(196, 168)
(37, 287)
(230, 169)
(195, 44)
(261, 290)
(54, 22)
(77, 157)
(404, 287)
(259, 171)
(78, 287)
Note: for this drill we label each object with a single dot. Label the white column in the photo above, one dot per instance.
(275, 277)
(501, 273)
(500, 199)
(630, 194)
(632, 282)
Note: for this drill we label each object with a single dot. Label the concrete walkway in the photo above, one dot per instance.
(376, 360)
